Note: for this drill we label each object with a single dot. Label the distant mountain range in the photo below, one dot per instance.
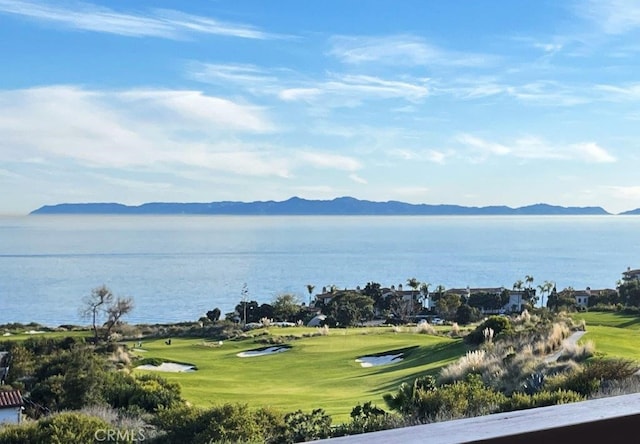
(298, 206)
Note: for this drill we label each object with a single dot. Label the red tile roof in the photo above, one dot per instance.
(11, 398)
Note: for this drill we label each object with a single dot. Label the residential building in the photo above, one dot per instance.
(11, 406)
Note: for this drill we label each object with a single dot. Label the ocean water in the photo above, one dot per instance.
(178, 267)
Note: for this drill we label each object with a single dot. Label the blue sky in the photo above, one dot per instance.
(464, 102)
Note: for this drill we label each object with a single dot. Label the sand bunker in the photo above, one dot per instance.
(264, 351)
(34, 332)
(168, 367)
(372, 361)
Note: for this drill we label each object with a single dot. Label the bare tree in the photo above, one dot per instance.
(99, 304)
(115, 311)
(95, 305)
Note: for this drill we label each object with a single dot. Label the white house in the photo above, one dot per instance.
(11, 407)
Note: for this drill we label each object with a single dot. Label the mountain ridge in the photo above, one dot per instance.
(345, 205)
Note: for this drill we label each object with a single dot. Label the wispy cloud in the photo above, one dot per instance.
(620, 93)
(592, 152)
(329, 160)
(611, 16)
(161, 23)
(134, 129)
(403, 50)
(354, 177)
(535, 148)
(434, 156)
(352, 90)
(247, 76)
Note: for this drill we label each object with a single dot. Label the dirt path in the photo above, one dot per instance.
(571, 340)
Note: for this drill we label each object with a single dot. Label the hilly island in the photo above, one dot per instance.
(347, 206)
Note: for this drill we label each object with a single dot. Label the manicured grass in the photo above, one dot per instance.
(609, 319)
(614, 334)
(316, 372)
(614, 341)
(21, 336)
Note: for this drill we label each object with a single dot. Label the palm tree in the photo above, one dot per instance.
(414, 284)
(310, 290)
(517, 285)
(547, 286)
(424, 289)
(529, 280)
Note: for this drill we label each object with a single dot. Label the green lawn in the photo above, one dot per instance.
(614, 334)
(316, 372)
(21, 336)
(609, 319)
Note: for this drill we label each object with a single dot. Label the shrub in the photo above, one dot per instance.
(460, 399)
(67, 427)
(367, 418)
(499, 324)
(225, 423)
(522, 401)
(589, 378)
(302, 426)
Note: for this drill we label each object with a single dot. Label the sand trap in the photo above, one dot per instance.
(372, 361)
(7, 334)
(34, 332)
(168, 367)
(266, 351)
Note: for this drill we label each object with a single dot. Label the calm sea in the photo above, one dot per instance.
(177, 268)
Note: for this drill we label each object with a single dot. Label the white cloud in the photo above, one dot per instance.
(157, 23)
(531, 147)
(133, 129)
(592, 152)
(352, 90)
(620, 93)
(400, 50)
(434, 156)
(482, 146)
(354, 177)
(250, 77)
(194, 107)
(304, 94)
(329, 160)
(612, 16)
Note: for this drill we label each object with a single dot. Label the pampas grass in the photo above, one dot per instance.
(425, 328)
(578, 352)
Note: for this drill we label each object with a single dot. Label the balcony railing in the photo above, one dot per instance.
(602, 421)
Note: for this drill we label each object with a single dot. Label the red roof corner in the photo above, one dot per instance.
(10, 398)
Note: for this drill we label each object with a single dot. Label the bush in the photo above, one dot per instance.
(225, 423)
(302, 426)
(499, 324)
(367, 418)
(522, 401)
(72, 427)
(458, 400)
(587, 380)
